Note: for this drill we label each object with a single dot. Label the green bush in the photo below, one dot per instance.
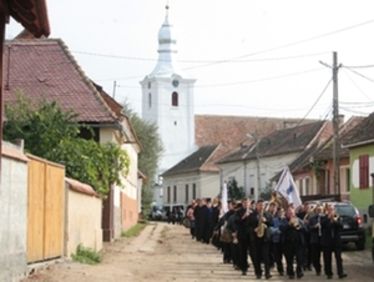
(86, 255)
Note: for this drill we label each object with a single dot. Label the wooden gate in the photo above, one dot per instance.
(45, 211)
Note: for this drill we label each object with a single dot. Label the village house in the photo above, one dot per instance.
(254, 166)
(313, 170)
(360, 143)
(45, 70)
(198, 175)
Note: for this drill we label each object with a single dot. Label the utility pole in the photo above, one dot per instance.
(336, 122)
(114, 89)
(257, 142)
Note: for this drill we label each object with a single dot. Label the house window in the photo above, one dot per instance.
(174, 99)
(175, 194)
(307, 186)
(327, 182)
(364, 171)
(149, 100)
(187, 194)
(194, 191)
(168, 192)
(348, 179)
(149, 85)
(301, 187)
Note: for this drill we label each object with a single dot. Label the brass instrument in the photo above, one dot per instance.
(294, 222)
(260, 229)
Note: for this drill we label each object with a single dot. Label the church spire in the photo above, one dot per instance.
(166, 49)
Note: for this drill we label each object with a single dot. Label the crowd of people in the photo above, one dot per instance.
(268, 232)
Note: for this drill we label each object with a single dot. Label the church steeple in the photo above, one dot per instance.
(166, 50)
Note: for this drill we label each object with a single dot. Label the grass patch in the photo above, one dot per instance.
(86, 255)
(135, 230)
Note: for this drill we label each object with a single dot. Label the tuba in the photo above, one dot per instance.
(260, 229)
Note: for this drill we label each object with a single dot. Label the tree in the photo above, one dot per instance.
(149, 156)
(234, 191)
(53, 134)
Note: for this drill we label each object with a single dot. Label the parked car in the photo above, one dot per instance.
(157, 213)
(353, 228)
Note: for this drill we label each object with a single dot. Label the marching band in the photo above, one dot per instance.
(269, 232)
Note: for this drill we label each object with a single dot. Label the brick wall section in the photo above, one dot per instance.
(129, 211)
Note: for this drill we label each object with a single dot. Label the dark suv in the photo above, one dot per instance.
(353, 229)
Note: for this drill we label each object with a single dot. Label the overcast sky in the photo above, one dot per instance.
(258, 58)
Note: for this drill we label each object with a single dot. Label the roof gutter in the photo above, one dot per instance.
(357, 144)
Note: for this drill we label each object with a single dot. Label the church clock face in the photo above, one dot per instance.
(175, 83)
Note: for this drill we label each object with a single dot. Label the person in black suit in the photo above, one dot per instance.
(315, 229)
(294, 243)
(259, 245)
(242, 233)
(331, 242)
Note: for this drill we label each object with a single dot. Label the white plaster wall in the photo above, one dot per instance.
(83, 222)
(175, 124)
(207, 186)
(245, 173)
(130, 182)
(13, 219)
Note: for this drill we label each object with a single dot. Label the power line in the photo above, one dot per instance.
(313, 38)
(360, 67)
(358, 87)
(225, 84)
(360, 74)
(315, 103)
(197, 61)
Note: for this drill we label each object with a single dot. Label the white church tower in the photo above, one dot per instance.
(167, 101)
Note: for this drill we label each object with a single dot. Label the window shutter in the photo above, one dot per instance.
(364, 171)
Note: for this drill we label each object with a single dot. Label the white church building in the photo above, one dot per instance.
(167, 101)
(193, 144)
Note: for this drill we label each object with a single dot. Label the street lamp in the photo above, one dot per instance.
(257, 141)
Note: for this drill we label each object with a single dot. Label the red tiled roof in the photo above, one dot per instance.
(285, 141)
(231, 131)
(44, 69)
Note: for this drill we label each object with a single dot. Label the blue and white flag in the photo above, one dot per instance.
(287, 188)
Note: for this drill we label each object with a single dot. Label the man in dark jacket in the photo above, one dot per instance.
(294, 243)
(242, 231)
(259, 246)
(315, 229)
(331, 242)
(226, 245)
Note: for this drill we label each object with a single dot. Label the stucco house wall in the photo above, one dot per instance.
(83, 219)
(207, 186)
(13, 213)
(363, 197)
(245, 172)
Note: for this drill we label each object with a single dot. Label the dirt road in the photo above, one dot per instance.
(166, 253)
